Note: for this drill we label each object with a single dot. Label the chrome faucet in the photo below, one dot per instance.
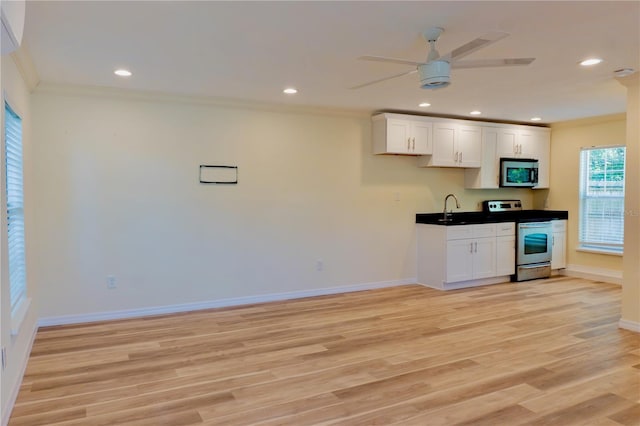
(444, 212)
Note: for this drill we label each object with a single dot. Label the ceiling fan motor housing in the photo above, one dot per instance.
(435, 74)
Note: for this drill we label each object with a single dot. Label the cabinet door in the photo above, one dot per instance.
(469, 146)
(421, 138)
(444, 148)
(459, 260)
(506, 255)
(527, 141)
(540, 149)
(559, 244)
(398, 140)
(507, 145)
(484, 258)
(487, 176)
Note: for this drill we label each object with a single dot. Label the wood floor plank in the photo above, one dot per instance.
(627, 416)
(538, 352)
(485, 405)
(593, 408)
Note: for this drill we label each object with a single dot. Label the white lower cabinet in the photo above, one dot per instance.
(471, 252)
(558, 244)
(505, 248)
(465, 255)
(484, 258)
(506, 255)
(459, 262)
(471, 259)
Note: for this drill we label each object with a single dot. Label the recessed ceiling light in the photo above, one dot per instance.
(591, 61)
(290, 91)
(623, 72)
(536, 118)
(122, 73)
(476, 112)
(424, 104)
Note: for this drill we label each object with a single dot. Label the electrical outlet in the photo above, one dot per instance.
(111, 282)
(319, 265)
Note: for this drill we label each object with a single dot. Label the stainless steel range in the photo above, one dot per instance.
(534, 239)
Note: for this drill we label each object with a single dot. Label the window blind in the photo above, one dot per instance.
(15, 206)
(601, 224)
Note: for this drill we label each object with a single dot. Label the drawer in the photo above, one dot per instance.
(559, 225)
(461, 232)
(505, 228)
(484, 230)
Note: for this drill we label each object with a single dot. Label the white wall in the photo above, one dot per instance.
(17, 346)
(118, 194)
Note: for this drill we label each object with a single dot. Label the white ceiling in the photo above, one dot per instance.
(252, 50)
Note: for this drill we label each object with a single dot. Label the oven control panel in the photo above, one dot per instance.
(502, 205)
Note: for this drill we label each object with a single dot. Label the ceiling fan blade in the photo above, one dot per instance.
(393, 60)
(383, 79)
(473, 45)
(485, 63)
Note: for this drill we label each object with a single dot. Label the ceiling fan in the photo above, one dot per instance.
(435, 72)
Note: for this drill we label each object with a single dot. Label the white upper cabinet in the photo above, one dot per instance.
(540, 149)
(393, 134)
(470, 146)
(508, 145)
(511, 142)
(487, 175)
(474, 146)
(523, 143)
(455, 145)
(444, 146)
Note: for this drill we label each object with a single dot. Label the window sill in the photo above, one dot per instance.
(600, 251)
(17, 317)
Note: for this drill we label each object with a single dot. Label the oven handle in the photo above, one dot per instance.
(535, 225)
(537, 265)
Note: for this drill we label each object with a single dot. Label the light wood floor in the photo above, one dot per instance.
(540, 353)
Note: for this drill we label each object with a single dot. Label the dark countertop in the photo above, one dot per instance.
(470, 218)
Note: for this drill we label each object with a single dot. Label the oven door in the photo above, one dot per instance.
(534, 242)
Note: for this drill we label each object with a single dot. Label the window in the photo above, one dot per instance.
(601, 226)
(15, 208)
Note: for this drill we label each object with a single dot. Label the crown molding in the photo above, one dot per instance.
(589, 121)
(24, 63)
(150, 96)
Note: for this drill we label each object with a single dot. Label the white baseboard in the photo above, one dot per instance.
(612, 276)
(220, 303)
(471, 283)
(629, 325)
(15, 388)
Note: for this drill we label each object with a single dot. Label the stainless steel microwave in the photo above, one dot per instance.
(518, 172)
